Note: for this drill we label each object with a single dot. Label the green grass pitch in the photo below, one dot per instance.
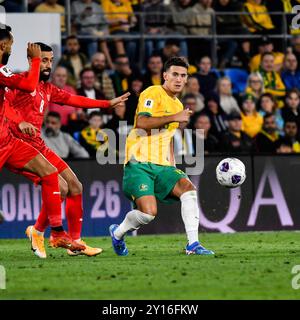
(246, 266)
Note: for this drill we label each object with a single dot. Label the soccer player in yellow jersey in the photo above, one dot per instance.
(149, 172)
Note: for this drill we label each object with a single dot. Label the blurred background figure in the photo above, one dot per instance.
(60, 142)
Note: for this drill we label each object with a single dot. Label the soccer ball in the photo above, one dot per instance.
(231, 172)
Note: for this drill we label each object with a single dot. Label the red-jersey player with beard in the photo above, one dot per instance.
(20, 155)
(30, 107)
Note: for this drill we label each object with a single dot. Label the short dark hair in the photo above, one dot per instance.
(54, 115)
(294, 90)
(267, 54)
(72, 37)
(268, 115)
(189, 96)
(44, 47)
(95, 114)
(86, 69)
(290, 119)
(5, 31)
(154, 55)
(172, 42)
(176, 61)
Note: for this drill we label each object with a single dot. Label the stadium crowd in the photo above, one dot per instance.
(248, 103)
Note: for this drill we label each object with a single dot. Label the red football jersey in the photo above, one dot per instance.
(11, 81)
(32, 106)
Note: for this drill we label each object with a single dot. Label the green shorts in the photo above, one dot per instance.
(146, 178)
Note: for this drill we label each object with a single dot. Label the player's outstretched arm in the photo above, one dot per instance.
(25, 81)
(148, 123)
(60, 96)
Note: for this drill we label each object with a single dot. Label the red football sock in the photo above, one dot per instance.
(51, 199)
(42, 221)
(74, 212)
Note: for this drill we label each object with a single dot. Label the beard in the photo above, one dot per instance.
(45, 77)
(5, 57)
(98, 68)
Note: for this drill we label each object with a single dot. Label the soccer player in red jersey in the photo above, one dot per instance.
(19, 154)
(30, 107)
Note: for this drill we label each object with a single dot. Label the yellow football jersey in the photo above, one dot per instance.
(153, 147)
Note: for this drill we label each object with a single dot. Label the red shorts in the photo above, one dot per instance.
(50, 155)
(17, 154)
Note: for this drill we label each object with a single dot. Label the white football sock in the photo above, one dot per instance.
(134, 220)
(190, 215)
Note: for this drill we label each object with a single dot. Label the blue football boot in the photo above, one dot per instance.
(118, 245)
(196, 248)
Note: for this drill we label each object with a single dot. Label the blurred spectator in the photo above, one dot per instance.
(216, 115)
(227, 101)
(115, 122)
(207, 79)
(193, 87)
(201, 21)
(157, 22)
(190, 102)
(211, 143)
(59, 79)
(266, 140)
(255, 85)
(252, 120)
(284, 145)
(258, 19)
(291, 109)
(291, 134)
(93, 137)
(88, 87)
(63, 144)
(122, 75)
(181, 17)
(51, 6)
(136, 87)
(265, 44)
(104, 82)
(228, 24)
(235, 140)
(295, 48)
(171, 49)
(200, 25)
(181, 14)
(154, 73)
(272, 81)
(290, 75)
(267, 104)
(121, 18)
(89, 20)
(73, 59)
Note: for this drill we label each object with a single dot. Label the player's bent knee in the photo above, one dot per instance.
(186, 186)
(75, 187)
(150, 210)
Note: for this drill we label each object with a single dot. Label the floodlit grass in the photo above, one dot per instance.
(246, 266)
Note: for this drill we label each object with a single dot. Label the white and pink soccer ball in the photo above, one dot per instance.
(231, 172)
